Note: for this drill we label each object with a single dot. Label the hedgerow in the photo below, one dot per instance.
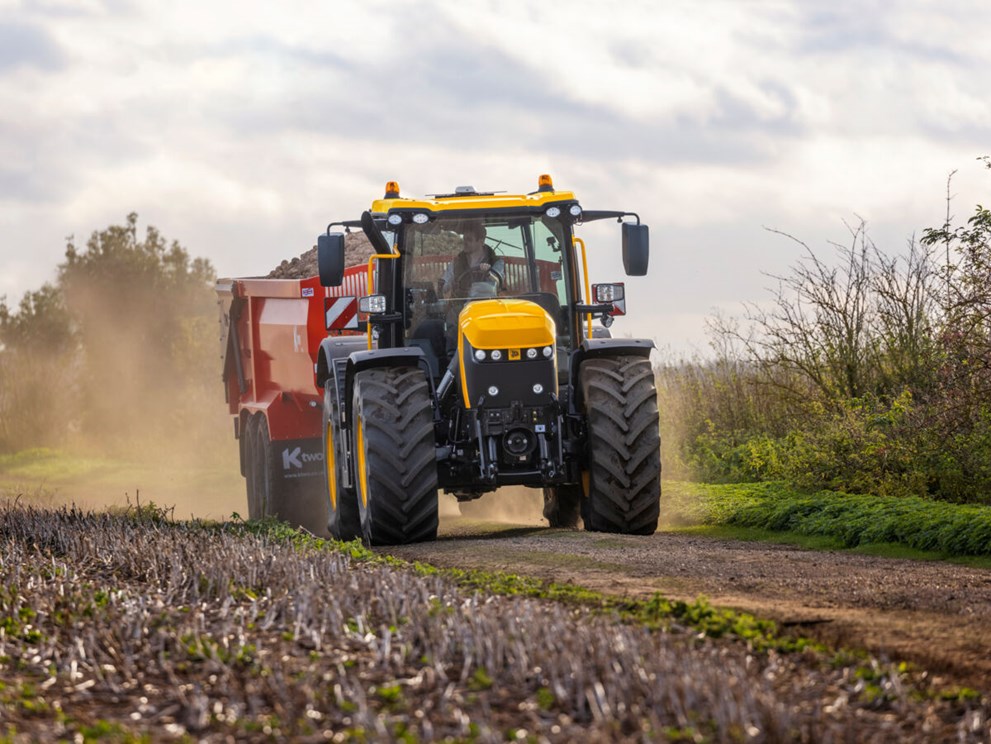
(866, 371)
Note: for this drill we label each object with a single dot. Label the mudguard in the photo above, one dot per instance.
(333, 348)
(592, 348)
(404, 356)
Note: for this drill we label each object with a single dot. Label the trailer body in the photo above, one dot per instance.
(271, 332)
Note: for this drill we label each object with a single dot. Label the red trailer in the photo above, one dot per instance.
(271, 335)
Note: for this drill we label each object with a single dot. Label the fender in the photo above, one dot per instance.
(404, 356)
(593, 348)
(331, 349)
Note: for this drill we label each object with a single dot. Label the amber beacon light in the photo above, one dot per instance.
(545, 183)
(392, 190)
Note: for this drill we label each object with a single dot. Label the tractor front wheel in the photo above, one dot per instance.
(623, 489)
(394, 457)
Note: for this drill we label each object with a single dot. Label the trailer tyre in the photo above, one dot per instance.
(623, 482)
(251, 475)
(344, 520)
(562, 505)
(394, 462)
(266, 482)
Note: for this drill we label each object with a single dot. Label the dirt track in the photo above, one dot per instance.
(937, 615)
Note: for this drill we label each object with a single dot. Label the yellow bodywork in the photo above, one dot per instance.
(502, 324)
(480, 202)
(505, 324)
(359, 447)
(331, 465)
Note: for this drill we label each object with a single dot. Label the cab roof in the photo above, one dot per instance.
(465, 198)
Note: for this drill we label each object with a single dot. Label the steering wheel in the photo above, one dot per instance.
(476, 274)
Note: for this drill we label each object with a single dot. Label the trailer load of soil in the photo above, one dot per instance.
(357, 251)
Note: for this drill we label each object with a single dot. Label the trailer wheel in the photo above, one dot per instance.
(299, 502)
(344, 521)
(394, 462)
(266, 486)
(251, 477)
(561, 505)
(623, 484)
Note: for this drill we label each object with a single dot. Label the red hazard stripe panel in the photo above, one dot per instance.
(341, 313)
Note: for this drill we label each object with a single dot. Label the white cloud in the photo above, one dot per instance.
(242, 128)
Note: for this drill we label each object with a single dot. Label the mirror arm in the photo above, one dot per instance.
(593, 215)
(347, 224)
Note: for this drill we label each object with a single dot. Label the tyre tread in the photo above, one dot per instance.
(397, 414)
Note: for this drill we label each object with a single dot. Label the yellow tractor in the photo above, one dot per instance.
(479, 367)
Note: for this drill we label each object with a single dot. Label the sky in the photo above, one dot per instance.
(241, 129)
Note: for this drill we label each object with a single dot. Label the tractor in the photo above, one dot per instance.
(481, 365)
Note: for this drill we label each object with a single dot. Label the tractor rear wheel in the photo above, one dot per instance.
(344, 521)
(561, 505)
(623, 490)
(394, 458)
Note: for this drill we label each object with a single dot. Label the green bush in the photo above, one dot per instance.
(865, 446)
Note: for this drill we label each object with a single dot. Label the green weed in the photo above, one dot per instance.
(851, 520)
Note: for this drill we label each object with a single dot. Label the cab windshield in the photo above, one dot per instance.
(448, 262)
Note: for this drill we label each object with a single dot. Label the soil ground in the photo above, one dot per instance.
(933, 614)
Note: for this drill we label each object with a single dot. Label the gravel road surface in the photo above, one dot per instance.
(934, 614)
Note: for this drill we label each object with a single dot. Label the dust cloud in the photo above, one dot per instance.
(205, 484)
(135, 417)
(510, 504)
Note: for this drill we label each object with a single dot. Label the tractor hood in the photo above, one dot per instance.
(506, 351)
(506, 324)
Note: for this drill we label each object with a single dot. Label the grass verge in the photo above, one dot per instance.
(896, 527)
(204, 487)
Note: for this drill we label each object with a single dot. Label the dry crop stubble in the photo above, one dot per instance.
(135, 622)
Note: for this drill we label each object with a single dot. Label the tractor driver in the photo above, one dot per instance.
(477, 264)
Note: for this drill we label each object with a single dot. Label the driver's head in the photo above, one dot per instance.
(474, 233)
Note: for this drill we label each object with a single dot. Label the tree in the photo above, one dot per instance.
(36, 353)
(818, 326)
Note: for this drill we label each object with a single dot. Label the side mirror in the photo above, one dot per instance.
(330, 259)
(636, 249)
